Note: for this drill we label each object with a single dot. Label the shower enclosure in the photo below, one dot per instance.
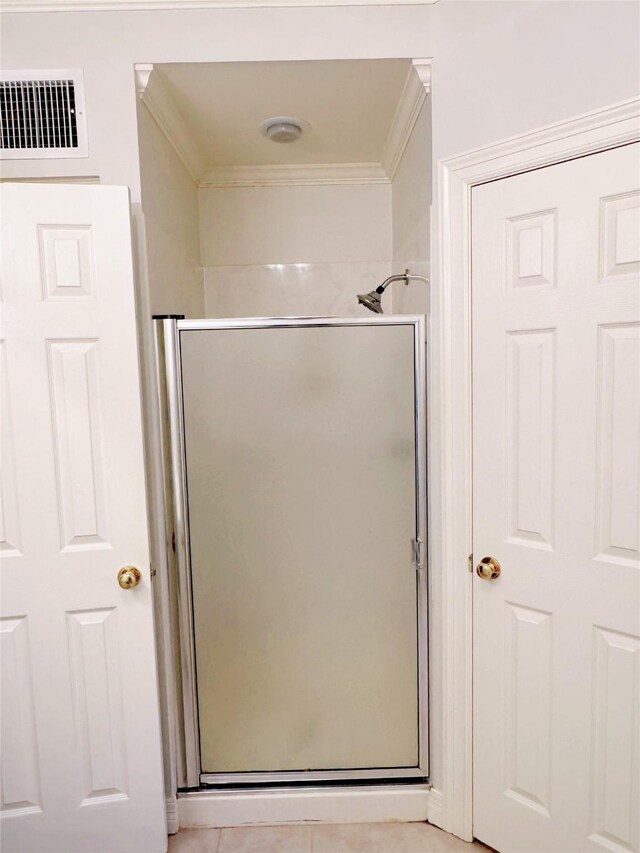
(294, 458)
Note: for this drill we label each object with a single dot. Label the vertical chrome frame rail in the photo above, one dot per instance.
(420, 380)
(168, 347)
(176, 504)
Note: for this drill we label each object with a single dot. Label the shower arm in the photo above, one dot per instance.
(406, 277)
(372, 300)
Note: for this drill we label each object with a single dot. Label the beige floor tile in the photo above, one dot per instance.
(386, 838)
(265, 839)
(194, 841)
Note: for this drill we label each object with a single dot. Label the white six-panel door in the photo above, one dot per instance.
(81, 760)
(556, 470)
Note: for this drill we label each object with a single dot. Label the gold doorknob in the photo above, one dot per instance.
(129, 576)
(488, 568)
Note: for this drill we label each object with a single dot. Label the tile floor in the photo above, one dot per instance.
(323, 838)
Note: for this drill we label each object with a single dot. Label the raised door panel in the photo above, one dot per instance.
(531, 250)
(78, 441)
(20, 775)
(618, 445)
(67, 262)
(96, 686)
(620, 243)
(10, 537)
(615, 743)
(528, 692)
(530, 360)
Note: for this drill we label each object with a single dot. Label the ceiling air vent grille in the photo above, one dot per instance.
(42, 115)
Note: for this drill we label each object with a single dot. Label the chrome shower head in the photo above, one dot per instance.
(371, 301)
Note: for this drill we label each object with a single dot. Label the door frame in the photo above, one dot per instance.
(589, 133)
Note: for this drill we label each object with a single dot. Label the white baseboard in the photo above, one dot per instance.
(436, 808)
(173, 821)
(320, 805)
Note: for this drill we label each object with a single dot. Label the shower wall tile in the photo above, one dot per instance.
(171, 221)
(415, 298)
(411, 199)
(411, 194)
(281, 290)
(318, 224)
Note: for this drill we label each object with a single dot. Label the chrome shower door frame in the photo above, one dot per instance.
(169, 366)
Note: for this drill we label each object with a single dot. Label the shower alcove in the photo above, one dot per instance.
(289, 455)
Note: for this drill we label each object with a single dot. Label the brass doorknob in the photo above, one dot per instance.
(488, 568)
(129, 576)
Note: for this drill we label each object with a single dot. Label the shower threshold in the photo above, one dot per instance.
(366, 775)
(306, 783)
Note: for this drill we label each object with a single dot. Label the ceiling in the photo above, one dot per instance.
(350, 105)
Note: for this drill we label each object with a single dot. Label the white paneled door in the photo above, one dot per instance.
(81, 758)
(556, 420)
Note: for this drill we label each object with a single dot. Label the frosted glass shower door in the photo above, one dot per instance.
(300, 445)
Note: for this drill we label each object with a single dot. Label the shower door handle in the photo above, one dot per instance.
(417, 554)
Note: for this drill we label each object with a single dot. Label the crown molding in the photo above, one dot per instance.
(142, 72)
(416, 88)
(151, 5)
(156, 97)
(294, 175)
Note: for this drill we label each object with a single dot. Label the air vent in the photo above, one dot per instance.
(42, 114)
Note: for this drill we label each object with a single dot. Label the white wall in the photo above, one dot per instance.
(499, 69)
(293, 250)
(506, 68)
(171, 225)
